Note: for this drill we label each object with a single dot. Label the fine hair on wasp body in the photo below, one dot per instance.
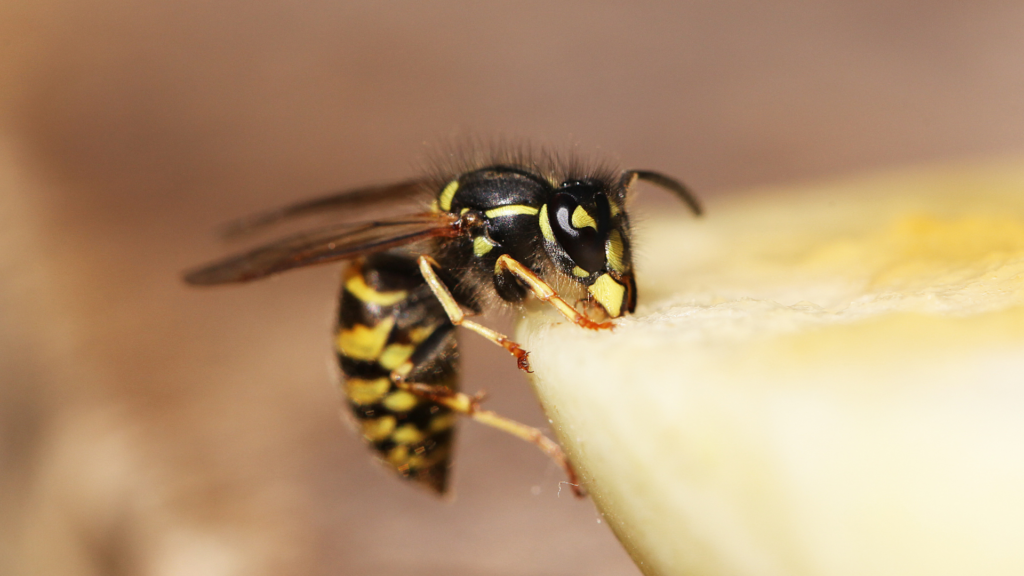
(495, 229)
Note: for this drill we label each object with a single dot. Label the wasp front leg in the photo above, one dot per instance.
(544, 292)
(458, 317)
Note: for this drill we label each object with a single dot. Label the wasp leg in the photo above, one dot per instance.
(458, 317)
(546, 293)
(403, 377)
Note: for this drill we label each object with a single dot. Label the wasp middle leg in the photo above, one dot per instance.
(458, 316)
(408, 376)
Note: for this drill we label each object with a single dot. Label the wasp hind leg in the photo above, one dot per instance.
(427, 354)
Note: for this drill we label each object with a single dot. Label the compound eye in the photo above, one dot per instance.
(582, 235)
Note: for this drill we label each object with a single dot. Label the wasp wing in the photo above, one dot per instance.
(340, 242)
(354, 199)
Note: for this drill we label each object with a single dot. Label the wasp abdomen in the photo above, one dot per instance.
(389, 320)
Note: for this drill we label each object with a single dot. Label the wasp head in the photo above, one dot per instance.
(586, 235)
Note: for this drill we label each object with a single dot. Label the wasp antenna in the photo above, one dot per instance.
(666, 182)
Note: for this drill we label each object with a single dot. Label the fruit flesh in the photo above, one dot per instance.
(823, 380)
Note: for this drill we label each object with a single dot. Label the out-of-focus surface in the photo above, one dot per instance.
(149, 428)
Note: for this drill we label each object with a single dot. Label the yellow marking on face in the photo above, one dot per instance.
(445, 199)
(394, 355)
(360, 289)
(407, 434)
(364, 343)
(581, 218)
(580, 272)
(615, 251)
(442, 422)
(365, 392)
(401, 401)
(511, 210)
(482, 245)
(609, 294)
(378, 429)
(545, 225)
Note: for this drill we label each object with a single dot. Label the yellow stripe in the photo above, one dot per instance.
(511, 210)
(364, 343)
(360, 289)
(365, 392)
(545, 226)
(581, 218)
(615, 251)
(442, 422)
(420, 334)
(394, 355)
(481, 245)
(407, 434)
(445, 199)
(378, 429)
(399, 456)
(401, 401)
(609, 294)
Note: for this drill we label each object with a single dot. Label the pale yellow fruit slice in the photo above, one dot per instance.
(823, 380)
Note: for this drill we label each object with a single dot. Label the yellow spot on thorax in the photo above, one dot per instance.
(364, 343)
(482, 245)
(365, 392)
(360, 289)
(581, 218)
(445, 199)
(615, 251)
(609, 294)
(511, 210)
(580, 272)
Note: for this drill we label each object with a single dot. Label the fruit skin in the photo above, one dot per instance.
(825, 380)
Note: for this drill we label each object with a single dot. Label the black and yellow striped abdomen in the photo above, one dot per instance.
(389, 319)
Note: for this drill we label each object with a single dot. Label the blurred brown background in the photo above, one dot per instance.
(148, 428)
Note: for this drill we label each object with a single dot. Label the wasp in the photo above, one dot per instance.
(483, 234)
